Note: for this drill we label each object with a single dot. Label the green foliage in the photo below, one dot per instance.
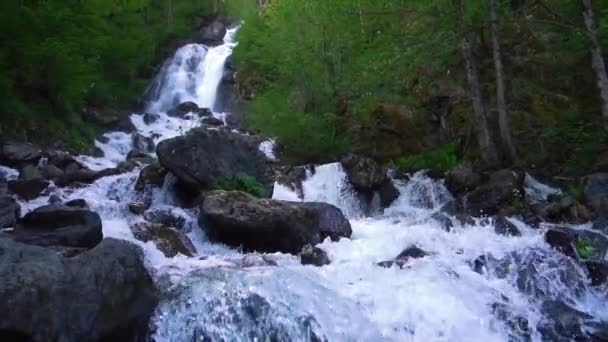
(60, 55)
(299, 60)
(585, 249)
(242, 182)
(440, 159)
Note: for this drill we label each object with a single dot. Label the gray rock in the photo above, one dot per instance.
(315, 256)
(595, 192)
(364, 173)
(19, 154)
(212, 34)
(28, 189)
(59, 225)
(153, 175)
(242, 220)
(9, 212)
(412, 252)
(211, 121)
(168, 240)
(138, 208)
(462, 179)
(332, 222)
(150, 118)
(30, 172)
(203, 157)
(142, 143)
(105, 293)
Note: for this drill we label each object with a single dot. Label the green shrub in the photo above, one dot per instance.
(440, 159)
(241, 182)
(585, 249)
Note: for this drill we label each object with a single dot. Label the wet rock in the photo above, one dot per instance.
(77, 203)
(595, 192)
(211, 121)
(142, 143)
(368, 178)
(168, 240)
(54, 199)
(412, 252)
(502, 226)
(108, 291)
(211, 34)
(59, 225)
(203, 157)
(315, 256)
(520, 329)
(364, 173)
(30, 172)
(3, 186)
(503, 191)
(52, 172)
(165, 216)
(140, 158)
(28, 189)
(150, 118)
(578, 243)
(59, 159)
(19, 154)
(122, 167)
(242, 220)
(462, 179)
(151, 175)
(184, 108)
(598, 272)
(138, 208)
(109, 119)
(9, 212)
(331, 221)
(562, 322)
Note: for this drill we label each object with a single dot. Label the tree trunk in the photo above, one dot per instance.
(501, 102)
(486, 145)
(597, 60)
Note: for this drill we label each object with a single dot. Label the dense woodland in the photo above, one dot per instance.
(417, 84)
(425, 84)
(59, 57)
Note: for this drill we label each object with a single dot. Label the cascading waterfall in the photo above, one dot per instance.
(221, 295)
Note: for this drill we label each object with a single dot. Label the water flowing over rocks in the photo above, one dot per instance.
(151, 175)
(105, 293)
(204, 156)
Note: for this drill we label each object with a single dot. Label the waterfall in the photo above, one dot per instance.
(441, 297)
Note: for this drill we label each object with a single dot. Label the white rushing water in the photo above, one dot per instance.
(221, 295)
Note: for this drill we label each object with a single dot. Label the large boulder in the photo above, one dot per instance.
(499, 195)
(9, 212)
(595, 192)
(212, 34)
(203, 157)
(332, 222)
(242, 220)
(59, 225)
(364, 173)
(369, 178)
(28, 189)
(462, 179)
(104, 294)
(168, 240)
(151, 175)
(19, 154)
